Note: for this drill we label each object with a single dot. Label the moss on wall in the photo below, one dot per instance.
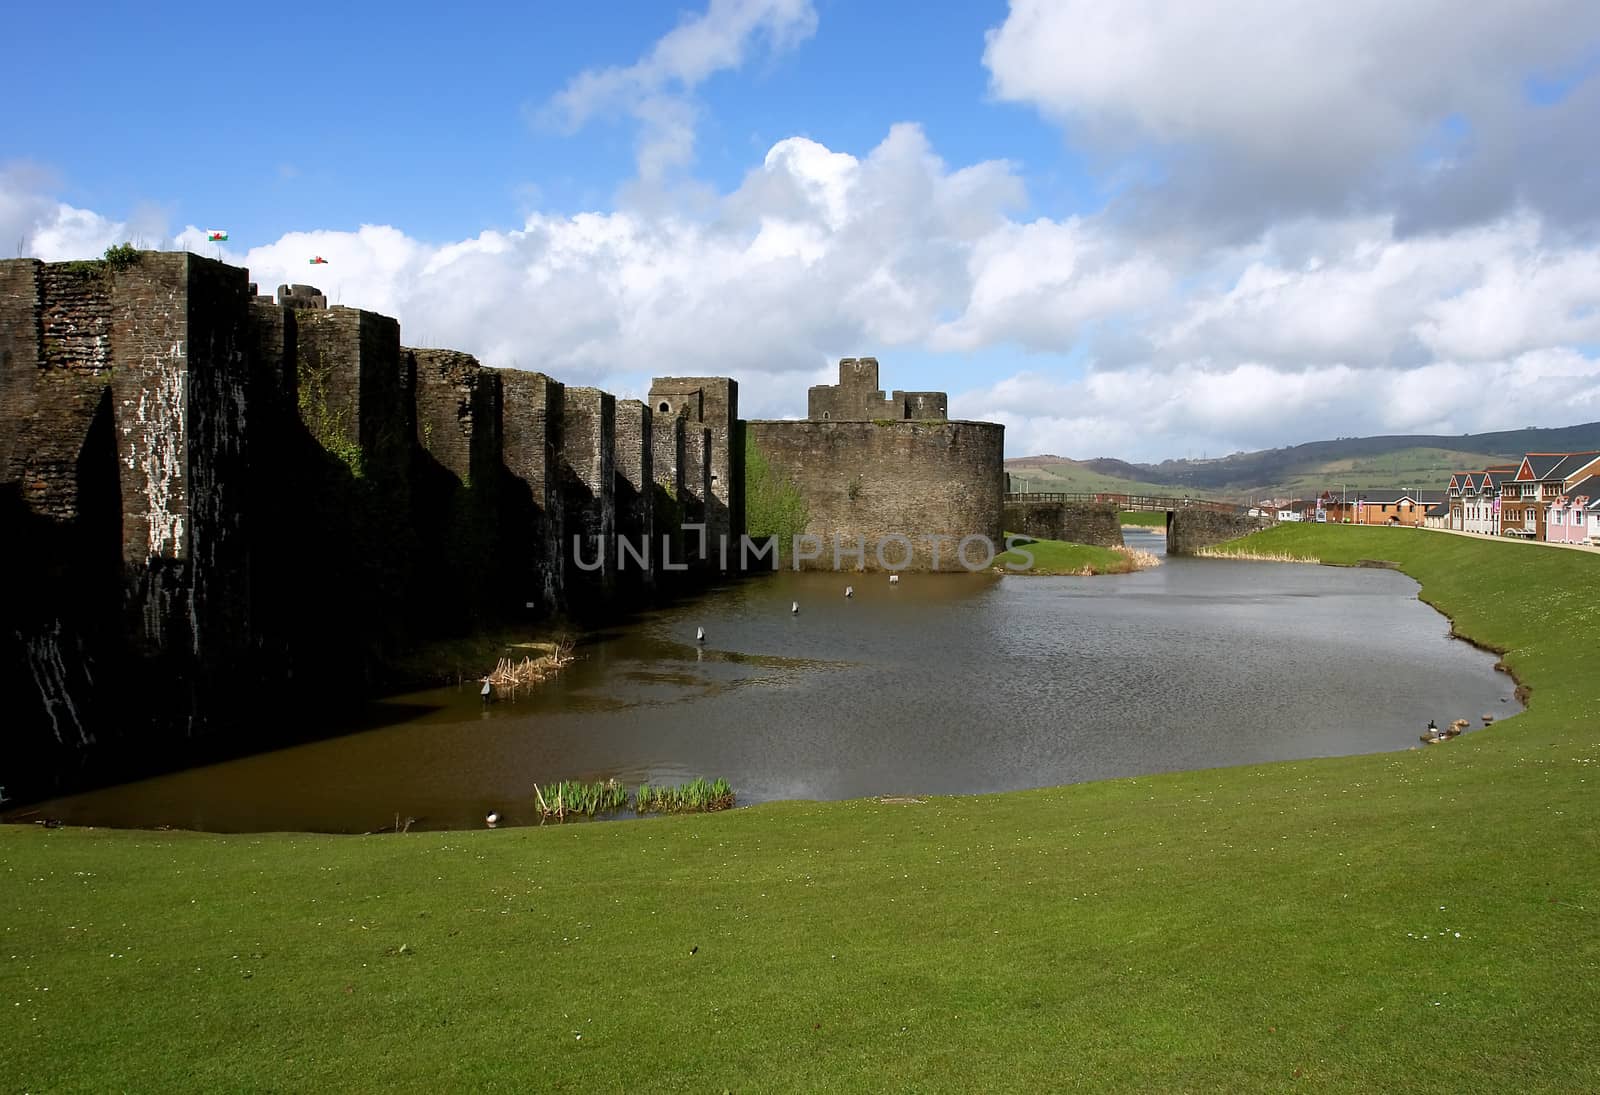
(773, 505)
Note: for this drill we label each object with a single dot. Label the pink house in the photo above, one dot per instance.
(1567, 519)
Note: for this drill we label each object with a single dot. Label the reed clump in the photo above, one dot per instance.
(1137, 559)
(1257, 556)
(577, 798)
(509, 674)
(696, 796)
(571, 796)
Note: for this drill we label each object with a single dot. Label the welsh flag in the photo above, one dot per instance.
(216, 235)
(319, 261)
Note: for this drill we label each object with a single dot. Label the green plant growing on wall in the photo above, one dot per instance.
(327, 424)
(853, 489)
(773, 505)
(121, 256)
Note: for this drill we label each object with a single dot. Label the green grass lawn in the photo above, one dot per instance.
(1062, 557)
(1419, 921)
(1145, 518)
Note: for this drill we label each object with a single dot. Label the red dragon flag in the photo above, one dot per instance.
(319, 261)
(216, 235)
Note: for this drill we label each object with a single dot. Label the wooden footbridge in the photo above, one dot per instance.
(1155, 503)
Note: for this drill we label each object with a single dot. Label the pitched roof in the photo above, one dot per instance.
(1574, 465)
(1547, 465)
(1390, 497)
(1439, 510)
(1585, 493)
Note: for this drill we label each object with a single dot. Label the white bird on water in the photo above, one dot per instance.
(849, 591)
(699, 634)
(894, 579)
(493, 819)
(794, 609)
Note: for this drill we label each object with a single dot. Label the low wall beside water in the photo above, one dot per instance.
(1190, 530)
(1096, 523)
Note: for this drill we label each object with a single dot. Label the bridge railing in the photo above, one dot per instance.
(1131, 502)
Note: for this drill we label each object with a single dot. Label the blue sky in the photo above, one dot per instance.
(1135, 229)
(424, 117)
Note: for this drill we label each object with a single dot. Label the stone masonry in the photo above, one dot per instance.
(711, 402)
(588, 487)
(857, 398)
(531, 445)
(213, 491)
(633, 452)
(1098, 523)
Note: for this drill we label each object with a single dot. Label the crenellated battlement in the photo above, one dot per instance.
(857, 398)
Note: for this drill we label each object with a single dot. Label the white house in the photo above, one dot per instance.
(1480, 501)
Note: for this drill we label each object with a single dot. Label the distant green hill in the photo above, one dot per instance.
(1054, 473)
(1419, 461)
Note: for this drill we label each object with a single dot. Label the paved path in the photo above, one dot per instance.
(1517, 540)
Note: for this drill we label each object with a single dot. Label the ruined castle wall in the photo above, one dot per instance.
(1189, 530)
(711, 402)
(215, 494)
(281, 456)
(55, 358)
(922, 406)
(863, 481)
(357, 400)
(1094, 523)
(667, 440)
(697, 446)
(455, 478)
(856, 398)
(534, 519)
(633, 452)
(588, 486)
(60, 519)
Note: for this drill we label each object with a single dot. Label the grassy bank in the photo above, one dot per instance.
(1058, 557)
(1419, 921)
(1144, 518)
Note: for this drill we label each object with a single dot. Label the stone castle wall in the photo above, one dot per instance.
(217, 494)
(857, 398)
(1076, 522)
(1189, 530)
(863, 481)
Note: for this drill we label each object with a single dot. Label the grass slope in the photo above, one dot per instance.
(1144, 518)
(1063, 557)
(1268, 928)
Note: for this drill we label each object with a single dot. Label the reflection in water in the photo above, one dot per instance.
(940, 684)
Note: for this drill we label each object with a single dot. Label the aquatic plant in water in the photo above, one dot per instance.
(575, 798)
(572, 796)
(697, 796)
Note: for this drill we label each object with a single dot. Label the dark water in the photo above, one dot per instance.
(945, 683)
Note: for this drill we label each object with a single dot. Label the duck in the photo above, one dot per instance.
(492, 819)
(794, 609)
(699, 634)
(894, 579)
(849, 591)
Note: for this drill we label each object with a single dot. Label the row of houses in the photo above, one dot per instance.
(1553, 496)
(1369, 507)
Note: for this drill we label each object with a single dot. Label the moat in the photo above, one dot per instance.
(940, 685)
